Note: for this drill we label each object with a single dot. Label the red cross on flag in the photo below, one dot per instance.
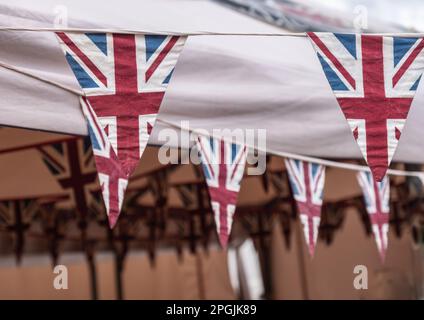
(124, 78)
(377, 202)
(223, 166)
(374, 79)
(307, 185)
(71, 162)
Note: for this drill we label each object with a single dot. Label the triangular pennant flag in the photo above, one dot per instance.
(124, 78)
(113, 180)
(307, 184)
(374, 79)
(223, 166)
(377, 196)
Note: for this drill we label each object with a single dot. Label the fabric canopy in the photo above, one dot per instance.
(260, 82)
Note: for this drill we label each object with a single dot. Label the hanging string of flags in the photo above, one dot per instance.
(124, 76)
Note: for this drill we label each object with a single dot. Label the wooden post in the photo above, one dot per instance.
(200, 278)
(19, 228)
(301, 260)
(89, 254)
(119, 256)
(202, 213)
(264, 255)
(118, 276)
(300, 256)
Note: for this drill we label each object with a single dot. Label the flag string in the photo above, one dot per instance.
(190, 33)
(329, 163)
(38, 77)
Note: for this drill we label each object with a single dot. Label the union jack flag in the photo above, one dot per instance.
(113, 180)
(16, 215)
(71, 163)
(307, 183)
(377, 196)
(374, 79)
(223, 165)
(124, 78)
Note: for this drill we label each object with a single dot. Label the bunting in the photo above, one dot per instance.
(124, 78)
(112, 179)
(307, 183)
(71, 163)
(223, 166)
(377, 196)
(374, 79)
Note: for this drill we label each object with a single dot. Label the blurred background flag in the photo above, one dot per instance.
(223, 167)
(377, 197)
(307, 184)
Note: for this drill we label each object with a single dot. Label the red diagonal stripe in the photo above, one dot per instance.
(160, 57)
(205, 155)
(408, 62)
(318, 177)
(332, 58)
(83, 57)
(238, 162)
(294, 175)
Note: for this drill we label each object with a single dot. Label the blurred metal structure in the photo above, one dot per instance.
(43, 225)
(297, 15)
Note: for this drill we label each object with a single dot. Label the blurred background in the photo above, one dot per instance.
(335, 16)
(165, 247)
